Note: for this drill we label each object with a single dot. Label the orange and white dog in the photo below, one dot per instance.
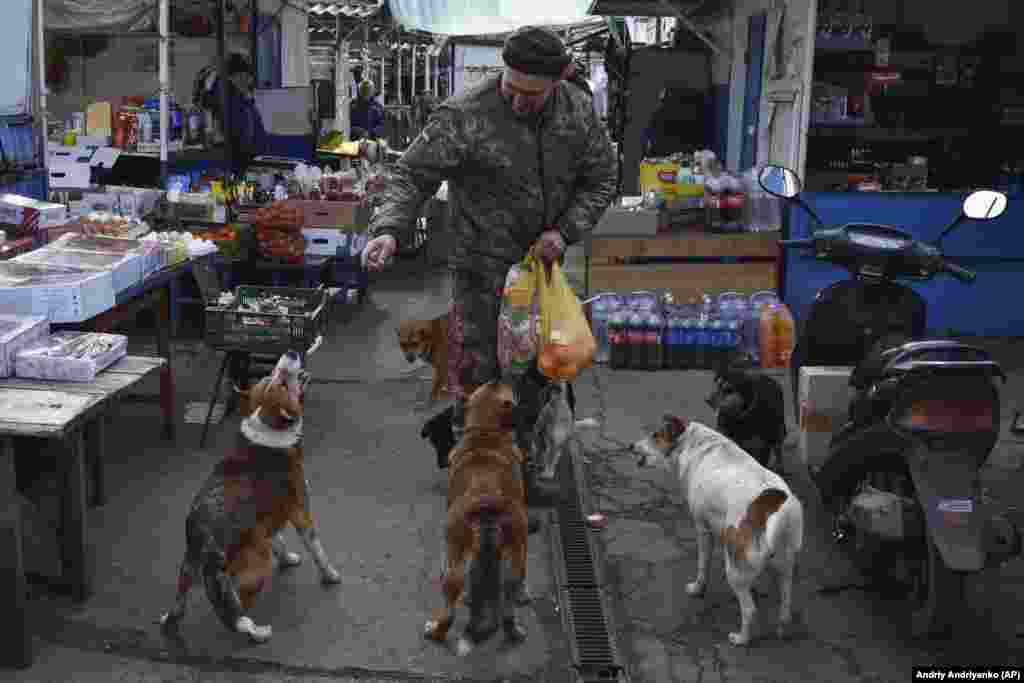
(749, 508)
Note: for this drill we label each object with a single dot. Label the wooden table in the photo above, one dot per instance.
(158, 292)
(72, 413)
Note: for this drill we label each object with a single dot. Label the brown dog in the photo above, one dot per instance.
(427, 340)
(487, 522)
(232, 529)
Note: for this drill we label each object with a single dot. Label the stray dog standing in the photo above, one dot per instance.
(232, 529)
(749, 508)
(486, 524)
(751, 410)
(427, 340)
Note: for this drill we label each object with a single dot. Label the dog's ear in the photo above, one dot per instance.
(676, 425)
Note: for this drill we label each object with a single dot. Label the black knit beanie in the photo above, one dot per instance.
(536, 51)
(237, 64)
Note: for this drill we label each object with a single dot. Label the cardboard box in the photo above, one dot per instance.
(70, 175)
(619, 221)
(31, 214)
(62, 295)
(126, 268)
(323, 214)
(825, 395)
(77, 153)
(322, 241)
(130, 202)
(17, 332)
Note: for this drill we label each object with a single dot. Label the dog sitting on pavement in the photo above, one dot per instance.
(751, 410)
(232, 532)
(749, 508)
(486, 523)
(427, 340)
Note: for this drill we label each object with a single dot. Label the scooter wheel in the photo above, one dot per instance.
(939, 595)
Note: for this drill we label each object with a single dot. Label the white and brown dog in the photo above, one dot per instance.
(232, 532)
(749, 508)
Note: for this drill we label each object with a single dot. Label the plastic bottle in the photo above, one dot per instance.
(700, 344)
(655, 349)
(600, 310)
(732, 340)
(687, 343)
(636, 333)
(777, 336)
(617, 341)
(673, 341)
(751, 329)
(716, 344)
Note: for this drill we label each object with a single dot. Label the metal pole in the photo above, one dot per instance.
(412, 73)
(342, 88)
(223, 79)
(398, 75)
(254, 16)
(426, 68)
(41, 64)
(380, 85)
(165, 82)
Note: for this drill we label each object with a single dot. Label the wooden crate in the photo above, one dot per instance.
(686, 281)
(612, 250)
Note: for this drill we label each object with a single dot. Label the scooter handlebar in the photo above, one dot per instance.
(804, 243)
(962, 274)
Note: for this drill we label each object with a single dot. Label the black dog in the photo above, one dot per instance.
(438, 429)
(751, 411)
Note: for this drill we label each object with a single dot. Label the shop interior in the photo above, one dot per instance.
(913, 96)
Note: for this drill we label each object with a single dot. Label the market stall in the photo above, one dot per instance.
(911, 110)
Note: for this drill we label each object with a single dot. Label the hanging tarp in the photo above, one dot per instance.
(485, 17)
(99, 14)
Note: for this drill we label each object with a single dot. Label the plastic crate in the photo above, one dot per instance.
(271, 332)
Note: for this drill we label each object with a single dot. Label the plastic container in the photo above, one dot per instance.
(777, 336)
(636, 335)
(751, 326)
(602, 307)
(618, 342)
(655, 348)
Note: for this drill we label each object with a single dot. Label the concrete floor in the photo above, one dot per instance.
(379, 501)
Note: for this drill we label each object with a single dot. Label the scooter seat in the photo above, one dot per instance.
(883, 361)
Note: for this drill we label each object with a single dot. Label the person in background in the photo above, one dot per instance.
(245, 136)
(528, 164)
(366, 114)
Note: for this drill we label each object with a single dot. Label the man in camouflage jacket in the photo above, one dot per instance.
(527, 162)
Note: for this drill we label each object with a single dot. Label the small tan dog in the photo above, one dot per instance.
(487, 523)
(427, 340)
(749, 508)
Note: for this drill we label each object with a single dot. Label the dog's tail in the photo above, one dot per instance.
(738, 540)
(485, 575)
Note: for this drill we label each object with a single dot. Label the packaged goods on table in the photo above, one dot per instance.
(64, 295)
(225, 239)
(17, 332)
(70, 356)
(109, 225)
(279, 232)
(125, 269)
(180, 246)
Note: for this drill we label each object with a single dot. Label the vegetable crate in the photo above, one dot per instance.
(268, 320)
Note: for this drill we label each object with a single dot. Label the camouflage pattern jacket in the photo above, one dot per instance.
(509, 179)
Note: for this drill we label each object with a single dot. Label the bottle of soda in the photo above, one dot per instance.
(700, 344)
(732, 340)
(672, 341)
(617, 340)
(687, 343)
(714, 345)
(655, 349)
(637, 341)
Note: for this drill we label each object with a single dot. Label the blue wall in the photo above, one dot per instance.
(993, 249)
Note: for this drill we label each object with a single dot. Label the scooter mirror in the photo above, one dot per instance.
(779, 181)
(984, 205)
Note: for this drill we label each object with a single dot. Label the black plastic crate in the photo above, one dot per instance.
(294, 323)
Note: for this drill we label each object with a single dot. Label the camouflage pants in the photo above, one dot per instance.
(472, 336)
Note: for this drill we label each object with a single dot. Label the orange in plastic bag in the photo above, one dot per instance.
(566, 341)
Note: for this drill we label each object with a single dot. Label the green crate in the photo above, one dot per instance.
(268, 331)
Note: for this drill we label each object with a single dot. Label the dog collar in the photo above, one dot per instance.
(260, 434)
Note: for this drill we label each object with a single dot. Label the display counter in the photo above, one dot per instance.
(994, 249)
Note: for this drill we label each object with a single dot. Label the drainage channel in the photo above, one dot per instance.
(586, 617)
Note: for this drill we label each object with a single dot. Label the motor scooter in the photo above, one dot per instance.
(901, 480)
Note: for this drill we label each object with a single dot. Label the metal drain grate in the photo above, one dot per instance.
(595, 655)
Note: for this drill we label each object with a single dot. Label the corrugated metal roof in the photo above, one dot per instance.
(645, 8)
(352, 9)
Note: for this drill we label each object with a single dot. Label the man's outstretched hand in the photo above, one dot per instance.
(379, 253)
